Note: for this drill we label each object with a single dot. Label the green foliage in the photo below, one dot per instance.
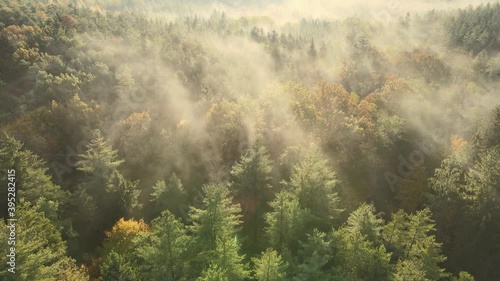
(99, 161)
(316, 254)
(360, 259)
(365, 222)
(214, 231)
(116, 268)
(315, 185)
(269, 267)
(411, 238)
(483, 185)
(217, 99)
(251, 175)
(464, 276)
(164, 252)
(128, 192)
(33, 181)
(407, 270)
(40, 250)
(285, 222)
(474, 29)
(168, 196)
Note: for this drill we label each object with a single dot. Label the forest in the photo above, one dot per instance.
(239, 140)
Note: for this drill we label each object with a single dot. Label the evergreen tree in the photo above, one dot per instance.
(251, 175)
(116, 268)
(105, 187)
(269, 267)
(33, 183)
(464, 276)
(357, 258)
(99, 162)
(215, 235)
(164, 251)
(483, 185)
(40, 250)
(367, 223)
(251, 187)
(411, 237)
(316, 258)
(168, 196)
(128, 193)
(407, 270)
(312, 50)
(315, 184)
(285, 223)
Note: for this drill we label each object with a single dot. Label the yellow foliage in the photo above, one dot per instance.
(81, 106)
(457, 144)
(17, 35)
(27, 54)
(119, 239)
(137, 118)
(182, 124)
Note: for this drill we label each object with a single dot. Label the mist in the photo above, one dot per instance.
(137, 113)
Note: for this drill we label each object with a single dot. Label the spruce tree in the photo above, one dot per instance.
(214, 228)
(269, 267)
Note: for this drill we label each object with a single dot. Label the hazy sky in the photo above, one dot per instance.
(288, 10)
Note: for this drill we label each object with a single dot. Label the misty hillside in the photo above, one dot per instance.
(250, 140)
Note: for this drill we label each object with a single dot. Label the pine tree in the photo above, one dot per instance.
(483, 186)
(312, 50)
(411, 237)
(128, 193)
(251, 187)
(269, 267)
(40, 250)
(315, 184)
(357, 258)
(364, 221)
(464, 276)
(215, 234)
(214, 273)
(251, 175)
(168, 196)
(285, 223)
(164, 250)
(33, 182)
(105, 187)
(116, 268)
(407, 270)
(316, 258)
(99, 161)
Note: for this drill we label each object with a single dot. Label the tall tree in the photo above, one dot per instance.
(285, 223)
(117, 268)
(315, 185)
(33, 182)
(164, 251)
(365, 221)
(315, 256)
(411, 237)
(39, 248)
(312, 50)
(269, 267)
(168, 196)
(357, 258)
(214, 231)
(252, 189)
(100, 161)
(107, 189)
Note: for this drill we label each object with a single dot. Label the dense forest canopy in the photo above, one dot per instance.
(251, 140)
